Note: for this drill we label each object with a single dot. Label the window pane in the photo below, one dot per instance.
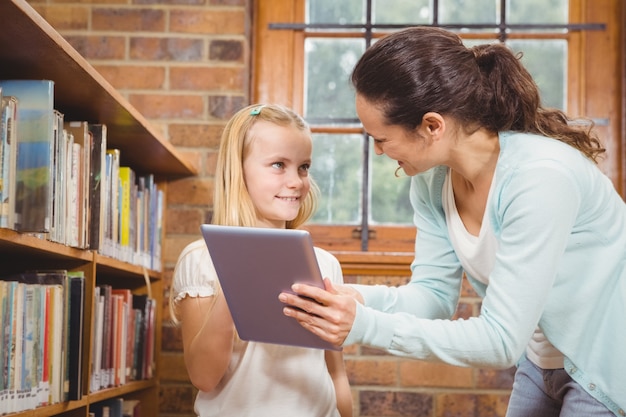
(334, 11)
(546, 60)
(537, 11)
(400, 12)
(460, 11)
(389, 195)
(328, 64)
(338, 170)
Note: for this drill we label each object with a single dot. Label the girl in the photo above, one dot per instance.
(261, 180)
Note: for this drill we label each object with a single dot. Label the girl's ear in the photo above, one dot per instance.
(433, 125)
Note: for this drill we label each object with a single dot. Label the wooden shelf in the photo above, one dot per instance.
(32, 49)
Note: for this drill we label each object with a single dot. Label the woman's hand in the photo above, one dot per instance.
(328, 313)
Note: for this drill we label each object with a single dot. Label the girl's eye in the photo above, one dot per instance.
(278, 165)
(305, 167)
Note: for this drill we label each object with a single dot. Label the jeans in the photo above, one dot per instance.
(550, 393)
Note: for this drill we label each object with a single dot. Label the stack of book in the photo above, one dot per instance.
(41, 348)
(123, 335)
(59, 181)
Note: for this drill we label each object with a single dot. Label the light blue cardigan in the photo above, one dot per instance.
(560, 264)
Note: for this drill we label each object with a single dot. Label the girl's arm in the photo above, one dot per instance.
(337, 370)
(208, 337)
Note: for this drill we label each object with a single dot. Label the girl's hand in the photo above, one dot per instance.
(328, 313)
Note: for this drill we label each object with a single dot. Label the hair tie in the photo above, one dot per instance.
(257, 110)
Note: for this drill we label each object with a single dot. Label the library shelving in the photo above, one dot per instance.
(32, 49)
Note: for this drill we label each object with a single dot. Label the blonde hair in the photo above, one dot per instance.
(232, 205)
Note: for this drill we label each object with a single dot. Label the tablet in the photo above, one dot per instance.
(254, 265)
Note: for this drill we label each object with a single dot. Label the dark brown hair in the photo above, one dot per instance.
(422, 69)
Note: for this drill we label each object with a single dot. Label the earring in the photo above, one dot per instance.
(396, 173)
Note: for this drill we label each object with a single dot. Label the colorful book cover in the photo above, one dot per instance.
(35, 131)
(125, 180)
(96, 188)
(75, 350)
(84, 138)
(8, 158)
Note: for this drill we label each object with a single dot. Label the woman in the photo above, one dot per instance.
(509, 193)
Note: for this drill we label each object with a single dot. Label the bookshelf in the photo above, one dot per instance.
(31, 49)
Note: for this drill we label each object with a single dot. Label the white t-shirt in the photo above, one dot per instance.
(477, 255)
(262, 380)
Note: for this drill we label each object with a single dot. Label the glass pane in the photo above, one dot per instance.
(328, 64)
(537, 11)
(462, 12)
(546, 60)
(401, 12)
(389, 195)
(338, 170)
(333, 11)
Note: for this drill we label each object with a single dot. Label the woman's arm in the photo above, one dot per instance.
(337, 370)
(208, 336)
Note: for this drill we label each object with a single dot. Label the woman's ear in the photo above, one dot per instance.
(433, 125)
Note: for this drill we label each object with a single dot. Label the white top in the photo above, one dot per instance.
(477, 254)
(262, 380)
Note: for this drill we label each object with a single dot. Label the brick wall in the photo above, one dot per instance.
(184, 64)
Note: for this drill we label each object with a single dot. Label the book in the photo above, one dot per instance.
(33, 175)
(97, 336)
(56, 330)
(108, 408)
(96, 188)
(8, 159)
(126, 180)
(131, 408)
(58, 227)
(75, 349)
(112, 241)
(125, 342)
(83, 143)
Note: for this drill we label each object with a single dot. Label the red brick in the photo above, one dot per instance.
(173, 246)
(394, 404)
(196, 135)
(372, 372)
(177, 398)
(208, 21)
(64, 17)
(226, 50)
(164, 106)
(470, 405)
(99, 47)
(118, 19)
(190, 191)
(223, 107)
(133, 76)
(214, 79)
(495, 378)
(184, 220)
(172, 367)
(166, 49)
(415, 373)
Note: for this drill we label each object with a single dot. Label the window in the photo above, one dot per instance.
(364, 206)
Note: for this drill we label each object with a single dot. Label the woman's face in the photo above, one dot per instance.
(413, 150)
(276, 172)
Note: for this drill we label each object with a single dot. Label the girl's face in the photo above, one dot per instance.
(276, 172)
(414, 151)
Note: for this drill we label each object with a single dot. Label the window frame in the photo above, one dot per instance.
(595, 73)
